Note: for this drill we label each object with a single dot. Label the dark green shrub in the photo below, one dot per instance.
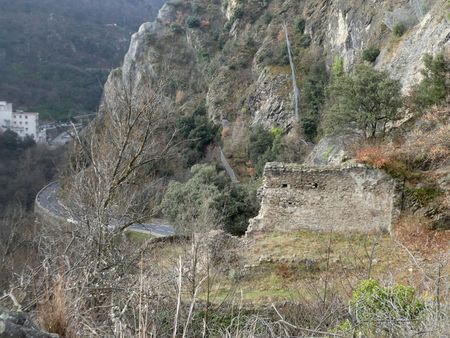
(24, 169)
(282, 56)
(367, 99)
(197, 132)
(399, 29)
(210, 192)
(424, 196)
(267, 56)
(238, 13)
(193, 22)
(238, 204)
(176, 28)
(261, 140)
(310, 126)
(305, 41)
(301, 25)
(150, 38)
(264, 146)
(370, 54)
(313, 98)
(228, 25)
(12, 146)
(267, 18)
(251, 44)
(273, 55)
(434, 87)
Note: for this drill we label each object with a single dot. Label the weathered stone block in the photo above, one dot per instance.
(349, 197)
(19, 325)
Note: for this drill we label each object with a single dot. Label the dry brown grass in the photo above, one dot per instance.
(281, 36)
(309, 276)
(53, 312)
(426, 147)
(415, 233)
(313, 257)
(421, 159)
(305, 265)
(226, 132)
(180, 96)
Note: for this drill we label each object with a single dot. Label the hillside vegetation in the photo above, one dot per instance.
(211, 79)
(24, 169)
(55, 55)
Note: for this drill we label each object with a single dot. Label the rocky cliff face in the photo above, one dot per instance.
(429, 32)
(231, 54)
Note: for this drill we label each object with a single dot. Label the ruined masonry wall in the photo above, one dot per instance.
(344, 198)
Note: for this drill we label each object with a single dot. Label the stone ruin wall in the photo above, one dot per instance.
(339, 198)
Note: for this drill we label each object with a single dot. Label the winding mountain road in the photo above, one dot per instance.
(47, 199)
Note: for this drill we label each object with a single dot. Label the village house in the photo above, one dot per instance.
(23, 123)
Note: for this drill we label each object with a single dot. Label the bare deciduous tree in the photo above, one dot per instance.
(113, 180)
(111, 183)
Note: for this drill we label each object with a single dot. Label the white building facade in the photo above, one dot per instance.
(23, 123)
(6, 112)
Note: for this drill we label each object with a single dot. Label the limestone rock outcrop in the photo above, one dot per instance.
(232, 57)
(334, 149)
(431, 34)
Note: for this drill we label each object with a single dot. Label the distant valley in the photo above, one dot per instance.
(55, 55)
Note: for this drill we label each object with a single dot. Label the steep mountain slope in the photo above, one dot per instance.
(233, 53)
(55, 55)
(228, 63)
(232, 58)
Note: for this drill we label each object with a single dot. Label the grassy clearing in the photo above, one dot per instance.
(138, 236)
(304, 266)
(336, 252)
(277, 70)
